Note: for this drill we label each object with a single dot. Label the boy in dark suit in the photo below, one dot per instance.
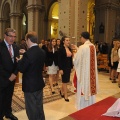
(31, 65)
(8, 72)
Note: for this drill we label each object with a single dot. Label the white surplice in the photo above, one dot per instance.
(82, 67)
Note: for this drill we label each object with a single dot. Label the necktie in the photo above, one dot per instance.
(10, 50)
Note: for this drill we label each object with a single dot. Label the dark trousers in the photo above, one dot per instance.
(6, 94)
(34, 105)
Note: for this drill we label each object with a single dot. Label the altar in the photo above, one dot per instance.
(95, 111)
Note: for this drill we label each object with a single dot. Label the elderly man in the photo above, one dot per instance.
(8, 72)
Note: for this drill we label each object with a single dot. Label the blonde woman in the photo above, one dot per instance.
(114, 61)
(118, 69)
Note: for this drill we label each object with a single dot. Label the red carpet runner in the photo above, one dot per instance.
(95, 111)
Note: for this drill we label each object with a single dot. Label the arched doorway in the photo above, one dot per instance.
(6, 15)
(53, 20)
(24, 28)
(24, 21)
(5, 18)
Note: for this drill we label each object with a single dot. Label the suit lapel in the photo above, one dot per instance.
(6, 51)
(14, 51)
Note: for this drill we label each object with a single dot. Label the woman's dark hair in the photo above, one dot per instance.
(50, 46)
(62, 40)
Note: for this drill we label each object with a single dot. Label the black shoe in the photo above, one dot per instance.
(56, 84)
(110, 78)
(67, 100)
(11, 116)
(53, 92)
(114, 81)
(61, 94)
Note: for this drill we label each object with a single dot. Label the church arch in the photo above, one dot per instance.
(53, 20)
(3, 7)
(5, 11)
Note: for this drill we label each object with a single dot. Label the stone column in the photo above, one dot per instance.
(49, 27)
(43, 27)
(64, 20)
(33, 18)
(4, 23)
(1, 29)
(80, 18)
(16, 23)
(72, 18)
(106, 14)
(109, 28)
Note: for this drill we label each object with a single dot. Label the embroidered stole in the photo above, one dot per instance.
(92, 71)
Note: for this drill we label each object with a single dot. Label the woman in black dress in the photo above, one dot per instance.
(65, 65)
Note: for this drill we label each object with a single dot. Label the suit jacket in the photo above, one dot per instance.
(31, 65)
(63, 59)
(51, 57)
(7, 66)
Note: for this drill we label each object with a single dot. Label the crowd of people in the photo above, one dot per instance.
(113, 57)
(101, 47)
(54, 56)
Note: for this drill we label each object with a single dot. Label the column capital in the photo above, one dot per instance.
(16, 14)
(110, 6)
(34, 7)
(3, 20)
(59, 1)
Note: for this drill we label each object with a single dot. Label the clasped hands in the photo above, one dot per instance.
(13, 76)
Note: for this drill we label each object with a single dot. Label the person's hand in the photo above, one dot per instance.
(112, 64)
(22, 51)
(61, 72)
(17, 59)
(46, 68)
(12, 77)
(74, 47)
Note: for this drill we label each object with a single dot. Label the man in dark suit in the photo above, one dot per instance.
(8, 72)
(31, 65)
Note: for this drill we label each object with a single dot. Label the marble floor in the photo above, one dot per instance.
(59, 108)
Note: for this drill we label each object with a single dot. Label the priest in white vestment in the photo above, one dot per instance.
(85, 63)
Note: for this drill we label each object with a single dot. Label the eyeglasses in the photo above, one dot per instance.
(11, 36)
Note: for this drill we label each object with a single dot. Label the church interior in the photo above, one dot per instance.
(57, 18)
